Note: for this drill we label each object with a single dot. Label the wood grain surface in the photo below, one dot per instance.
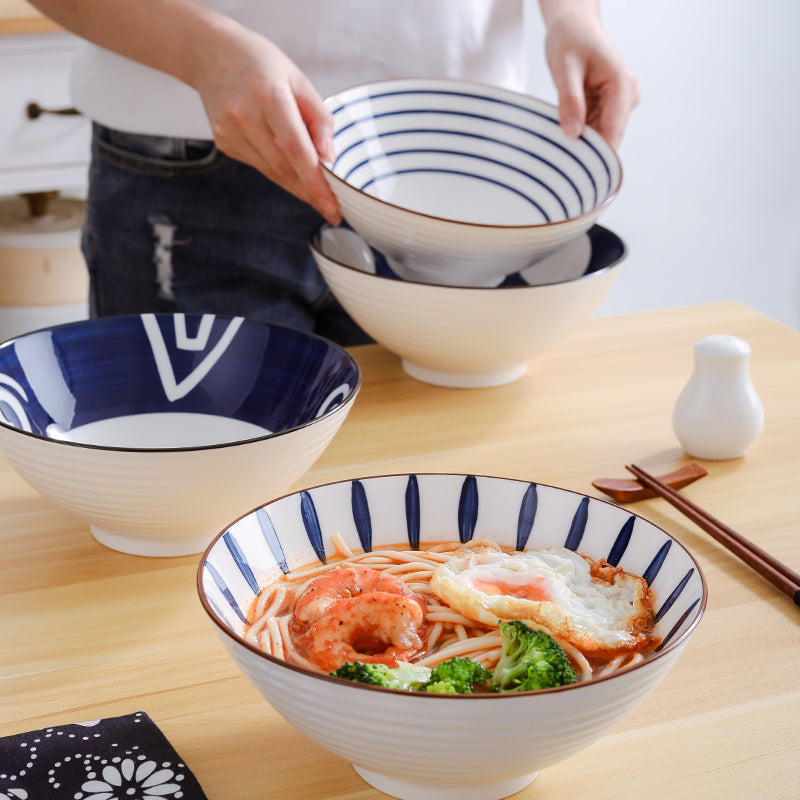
(86, 632)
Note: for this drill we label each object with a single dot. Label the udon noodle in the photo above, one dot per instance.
(447, 632)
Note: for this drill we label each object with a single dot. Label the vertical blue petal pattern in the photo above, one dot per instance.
(241, 561)
(468, 509)
(677, 626)
(578, 526)
(226, 592)
(657, 562)
(272, 540)
(621, 542)
(412, 511)
(312, 526)
(361, 515)
(527, 515)
(674, 595)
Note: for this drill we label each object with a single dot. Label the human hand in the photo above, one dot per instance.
(595, 86)
(264, 112)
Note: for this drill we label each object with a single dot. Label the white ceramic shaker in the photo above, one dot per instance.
(718, 415)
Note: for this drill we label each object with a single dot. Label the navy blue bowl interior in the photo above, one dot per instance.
(268, 375)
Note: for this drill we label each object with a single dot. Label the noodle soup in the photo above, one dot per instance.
(445, 600)
(414, 744)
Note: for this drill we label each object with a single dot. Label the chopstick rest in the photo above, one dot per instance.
(119, 757)
(630, 491)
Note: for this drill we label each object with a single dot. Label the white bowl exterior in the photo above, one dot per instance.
(438, 251)
(167, 503)
(460, 183)
(449, 742)
(462, 335)
(459, 745)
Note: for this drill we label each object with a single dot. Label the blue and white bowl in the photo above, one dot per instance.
(429, 747)
(460, 183)
(468, 336)
(158, 429)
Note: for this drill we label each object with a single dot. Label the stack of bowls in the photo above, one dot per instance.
(471, 243)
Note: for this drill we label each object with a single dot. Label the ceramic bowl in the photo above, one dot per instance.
(158, 429)
(438, 747)
(470, 336)
(460, 183)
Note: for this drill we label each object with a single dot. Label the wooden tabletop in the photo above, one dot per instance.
(86, 632)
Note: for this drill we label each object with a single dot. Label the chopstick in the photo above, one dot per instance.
(777, 573)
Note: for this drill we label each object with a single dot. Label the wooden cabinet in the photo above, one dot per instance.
(50, 151)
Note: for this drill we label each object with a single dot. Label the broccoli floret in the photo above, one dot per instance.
(531, 659)
(457, 676)
(405, 675)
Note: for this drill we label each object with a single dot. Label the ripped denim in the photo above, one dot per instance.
(174, 225)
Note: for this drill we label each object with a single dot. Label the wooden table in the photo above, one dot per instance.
(86, 632)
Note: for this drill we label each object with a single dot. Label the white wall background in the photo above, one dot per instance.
(710, 200)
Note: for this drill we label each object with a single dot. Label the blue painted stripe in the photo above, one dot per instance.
(355, 123)
(654, 568)
(241, 561)
(468, 508)
(578, 525)
(413, 513)
(361, 515)
(226, 592)
(674, 595)
(505, 186)
(311, 522)
(271, 538)
(369, 96)
(465, 135)
(621, 542)
(676, 627)
(527, 515)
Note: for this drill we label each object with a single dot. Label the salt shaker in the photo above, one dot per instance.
(718, 415)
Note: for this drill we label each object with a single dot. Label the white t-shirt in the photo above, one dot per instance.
(337, 43)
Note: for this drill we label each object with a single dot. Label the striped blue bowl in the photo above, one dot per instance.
(466, 746)
(462, 183)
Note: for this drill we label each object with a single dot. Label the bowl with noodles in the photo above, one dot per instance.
(304, 583)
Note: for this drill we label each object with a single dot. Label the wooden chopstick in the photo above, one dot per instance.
(777, 573)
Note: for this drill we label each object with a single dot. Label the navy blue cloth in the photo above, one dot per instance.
(175, 225)
(120, 758)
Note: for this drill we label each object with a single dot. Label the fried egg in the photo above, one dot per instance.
(592, 605)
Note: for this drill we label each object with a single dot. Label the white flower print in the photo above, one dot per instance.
(127, 781)
(13, 794)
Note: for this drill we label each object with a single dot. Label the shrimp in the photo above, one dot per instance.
(358, 614)
(374, 627)
(341, 583)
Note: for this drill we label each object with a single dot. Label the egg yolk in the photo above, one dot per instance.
(535, 588)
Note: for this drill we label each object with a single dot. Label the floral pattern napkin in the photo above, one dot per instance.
(120, 758)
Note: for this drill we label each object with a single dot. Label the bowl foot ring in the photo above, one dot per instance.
(464, 380)
(411, 790)
(138, 546)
